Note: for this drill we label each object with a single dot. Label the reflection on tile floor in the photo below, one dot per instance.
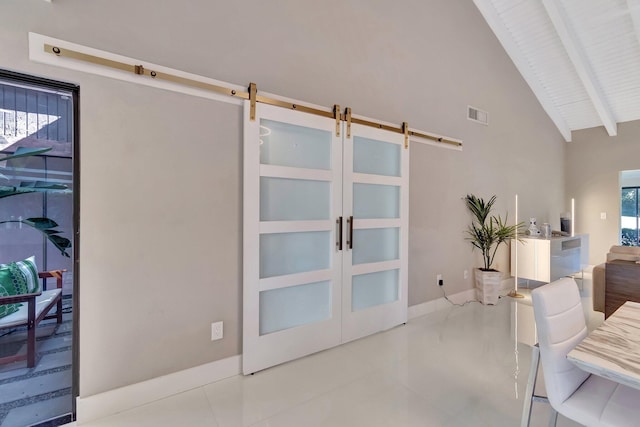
(460, 366)
(33, 395)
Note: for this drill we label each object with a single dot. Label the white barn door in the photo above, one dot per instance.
(376, 202)
(325, 234)
(292, 260)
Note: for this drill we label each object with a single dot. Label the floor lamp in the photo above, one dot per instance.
(573, 217)
(514, 293)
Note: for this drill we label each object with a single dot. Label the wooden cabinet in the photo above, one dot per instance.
(546, 260)
(622, 283)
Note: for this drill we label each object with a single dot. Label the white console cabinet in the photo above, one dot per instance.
(546, 260)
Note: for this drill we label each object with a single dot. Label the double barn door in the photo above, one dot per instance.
(325, 234)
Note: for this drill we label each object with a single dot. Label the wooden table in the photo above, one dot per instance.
(613, 350)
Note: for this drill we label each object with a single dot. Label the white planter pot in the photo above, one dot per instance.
(488, 286)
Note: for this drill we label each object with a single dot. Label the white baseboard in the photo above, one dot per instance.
(440, 303)
(122, 399)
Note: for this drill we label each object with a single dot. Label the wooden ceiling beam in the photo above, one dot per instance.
(496, 24)
(634, 11)
(585, 72)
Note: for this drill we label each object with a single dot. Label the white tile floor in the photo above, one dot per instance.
(461, 366)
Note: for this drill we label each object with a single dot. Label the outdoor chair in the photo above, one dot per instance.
(35, 308)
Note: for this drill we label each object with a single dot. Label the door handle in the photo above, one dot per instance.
(339, 236)
(350, 231)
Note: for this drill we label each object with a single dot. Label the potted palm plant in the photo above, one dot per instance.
(486, 233)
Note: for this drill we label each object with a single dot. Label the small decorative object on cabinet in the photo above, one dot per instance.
(533, 229)
(486, 233)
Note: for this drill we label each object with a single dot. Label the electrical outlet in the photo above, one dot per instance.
(216, 331)
(439, 280)
(466, 274)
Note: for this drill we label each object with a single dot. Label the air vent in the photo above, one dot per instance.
(477, 115)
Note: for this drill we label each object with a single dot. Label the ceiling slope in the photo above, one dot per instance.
(581, 58)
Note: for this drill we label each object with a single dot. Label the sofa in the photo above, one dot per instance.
(623, 253)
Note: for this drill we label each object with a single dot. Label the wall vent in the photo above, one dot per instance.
(476, 115)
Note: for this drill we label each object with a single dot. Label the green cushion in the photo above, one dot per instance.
(17, 278)
(7, 288)
(29, 272)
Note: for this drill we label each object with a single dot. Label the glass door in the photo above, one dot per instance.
(38, 221)
(374, 284)
(292, 256)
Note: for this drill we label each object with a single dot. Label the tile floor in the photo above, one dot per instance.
(460, 366)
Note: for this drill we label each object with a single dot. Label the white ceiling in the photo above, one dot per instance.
(581, 58)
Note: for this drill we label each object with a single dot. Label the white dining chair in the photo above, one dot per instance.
(587, 399)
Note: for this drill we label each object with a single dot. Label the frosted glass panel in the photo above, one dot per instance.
(289, 253)
(373, 289)
(284, 144)
(376, 157)
(294, 199)
(286, 308)
(375, 245)
(376, 201)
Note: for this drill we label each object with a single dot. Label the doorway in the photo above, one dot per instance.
(630, 208)
(39, 211)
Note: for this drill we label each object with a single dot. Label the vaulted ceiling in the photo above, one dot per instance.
(581, 58)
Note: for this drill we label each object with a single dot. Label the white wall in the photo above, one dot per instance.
(160, 171)
(593, 164)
